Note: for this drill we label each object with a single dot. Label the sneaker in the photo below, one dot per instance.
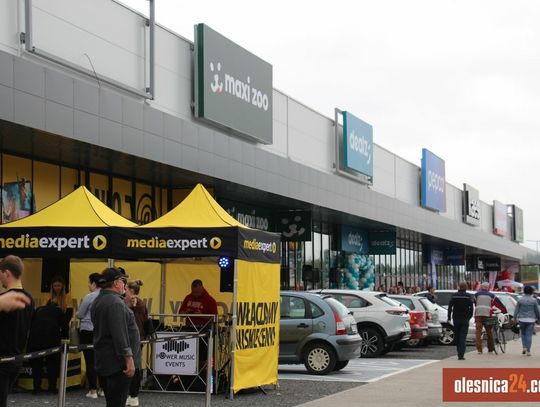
(92, 394)
(528, 353)
(524, 351)
(101, 393)
(132, 401)
(479, 352)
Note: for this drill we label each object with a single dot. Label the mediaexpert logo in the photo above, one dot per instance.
(264, 247)
(241, 89)
(27, 241)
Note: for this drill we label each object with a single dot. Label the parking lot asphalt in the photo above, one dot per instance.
(292, 391)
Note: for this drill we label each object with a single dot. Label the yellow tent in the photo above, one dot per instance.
(78, 225)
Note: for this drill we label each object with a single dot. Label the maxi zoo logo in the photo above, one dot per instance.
(238, 88)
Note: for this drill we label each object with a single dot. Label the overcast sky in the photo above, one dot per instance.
(460, 78)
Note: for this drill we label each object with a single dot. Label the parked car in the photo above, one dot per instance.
(424, 328)
(382, 322)
(316, 331)
(443, 299)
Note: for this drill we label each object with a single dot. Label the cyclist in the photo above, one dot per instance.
(484, 301)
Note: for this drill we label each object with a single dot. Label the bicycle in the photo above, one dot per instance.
(499, 338)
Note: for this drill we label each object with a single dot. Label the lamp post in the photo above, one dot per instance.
(535, 241)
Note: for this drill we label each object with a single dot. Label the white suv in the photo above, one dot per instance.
(381, 321)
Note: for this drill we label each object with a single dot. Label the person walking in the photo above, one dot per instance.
(116, 338)
(14, 325)
(86, 333)
(140, 312)
(484, 301)
(460, 310)
(527, 313)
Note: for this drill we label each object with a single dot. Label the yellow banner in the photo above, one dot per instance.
(257, 329)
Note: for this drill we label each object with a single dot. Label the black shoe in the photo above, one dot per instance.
(461, 358)
(36, 391)
(53, 391)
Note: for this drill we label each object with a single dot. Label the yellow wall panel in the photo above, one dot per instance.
(69, 181)
(46, 184)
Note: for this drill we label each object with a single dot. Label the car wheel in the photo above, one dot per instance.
(372, 343)
(413, 343)
(319, 358)
(448, 336)
(340, 364)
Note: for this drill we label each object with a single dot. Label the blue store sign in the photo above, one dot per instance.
(382, 242)
(433, 182)
(357, 144)
(354, 240)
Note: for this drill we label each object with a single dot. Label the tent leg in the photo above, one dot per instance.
(233, 328)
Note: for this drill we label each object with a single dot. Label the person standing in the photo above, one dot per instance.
(116, 338)
(48, 326)
(199, 301)
(527, 313)
(430, 295)
(86, 333)
(484, 301)
(140, 312)
(460, 310)
(60, 296)
(15, 324)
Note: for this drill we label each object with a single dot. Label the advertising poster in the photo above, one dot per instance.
(175, 357)
(17, 199)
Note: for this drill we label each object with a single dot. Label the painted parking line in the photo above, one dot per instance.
(358, 370)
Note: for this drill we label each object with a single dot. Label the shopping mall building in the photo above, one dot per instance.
(95, 94)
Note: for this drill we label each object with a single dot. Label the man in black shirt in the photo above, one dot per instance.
(14, 325)
(116, 338)
(461, 308)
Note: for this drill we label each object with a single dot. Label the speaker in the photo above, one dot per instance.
(226, 278)
(54, 266)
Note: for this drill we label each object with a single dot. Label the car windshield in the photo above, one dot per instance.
(508, 302)
(338, 307)
(427, 304)
(388, 300)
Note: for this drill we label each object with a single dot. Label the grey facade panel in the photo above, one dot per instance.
(86, 97)
(110, 105)
(235, 148)
(132, 140)
(153, 120)
(221, 144)
(86, 127)
(153, 147)
(132, 113)
(172, 153)
(110, 134)
(205, 137)
(6, 103)
(29, 77)
(190, 158)
(29, 110)
(59, 87)
(58, 119)
(248, 175)
(172, 128)
(6, 69)
(248, 154)
(189, 134)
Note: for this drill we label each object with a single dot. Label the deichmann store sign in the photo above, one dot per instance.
(382, 242)
(354, 240)
(251, 216)
(433, 184)
(471, 205)
(357, 145)
(233, 87)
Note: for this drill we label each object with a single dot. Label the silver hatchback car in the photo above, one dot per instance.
(317, 331)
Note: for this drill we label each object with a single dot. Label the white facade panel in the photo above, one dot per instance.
(111, 37)
(384, 171)
(9, 30)
(407, 182)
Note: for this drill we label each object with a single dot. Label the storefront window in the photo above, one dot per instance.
(317, 249)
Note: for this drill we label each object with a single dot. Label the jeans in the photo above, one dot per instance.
(52, 364)
(527, 329)
(116, 388)
(87, 338)
(461, 327)
(489, 331)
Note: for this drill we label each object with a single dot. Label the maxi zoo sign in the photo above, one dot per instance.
(233, 87)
